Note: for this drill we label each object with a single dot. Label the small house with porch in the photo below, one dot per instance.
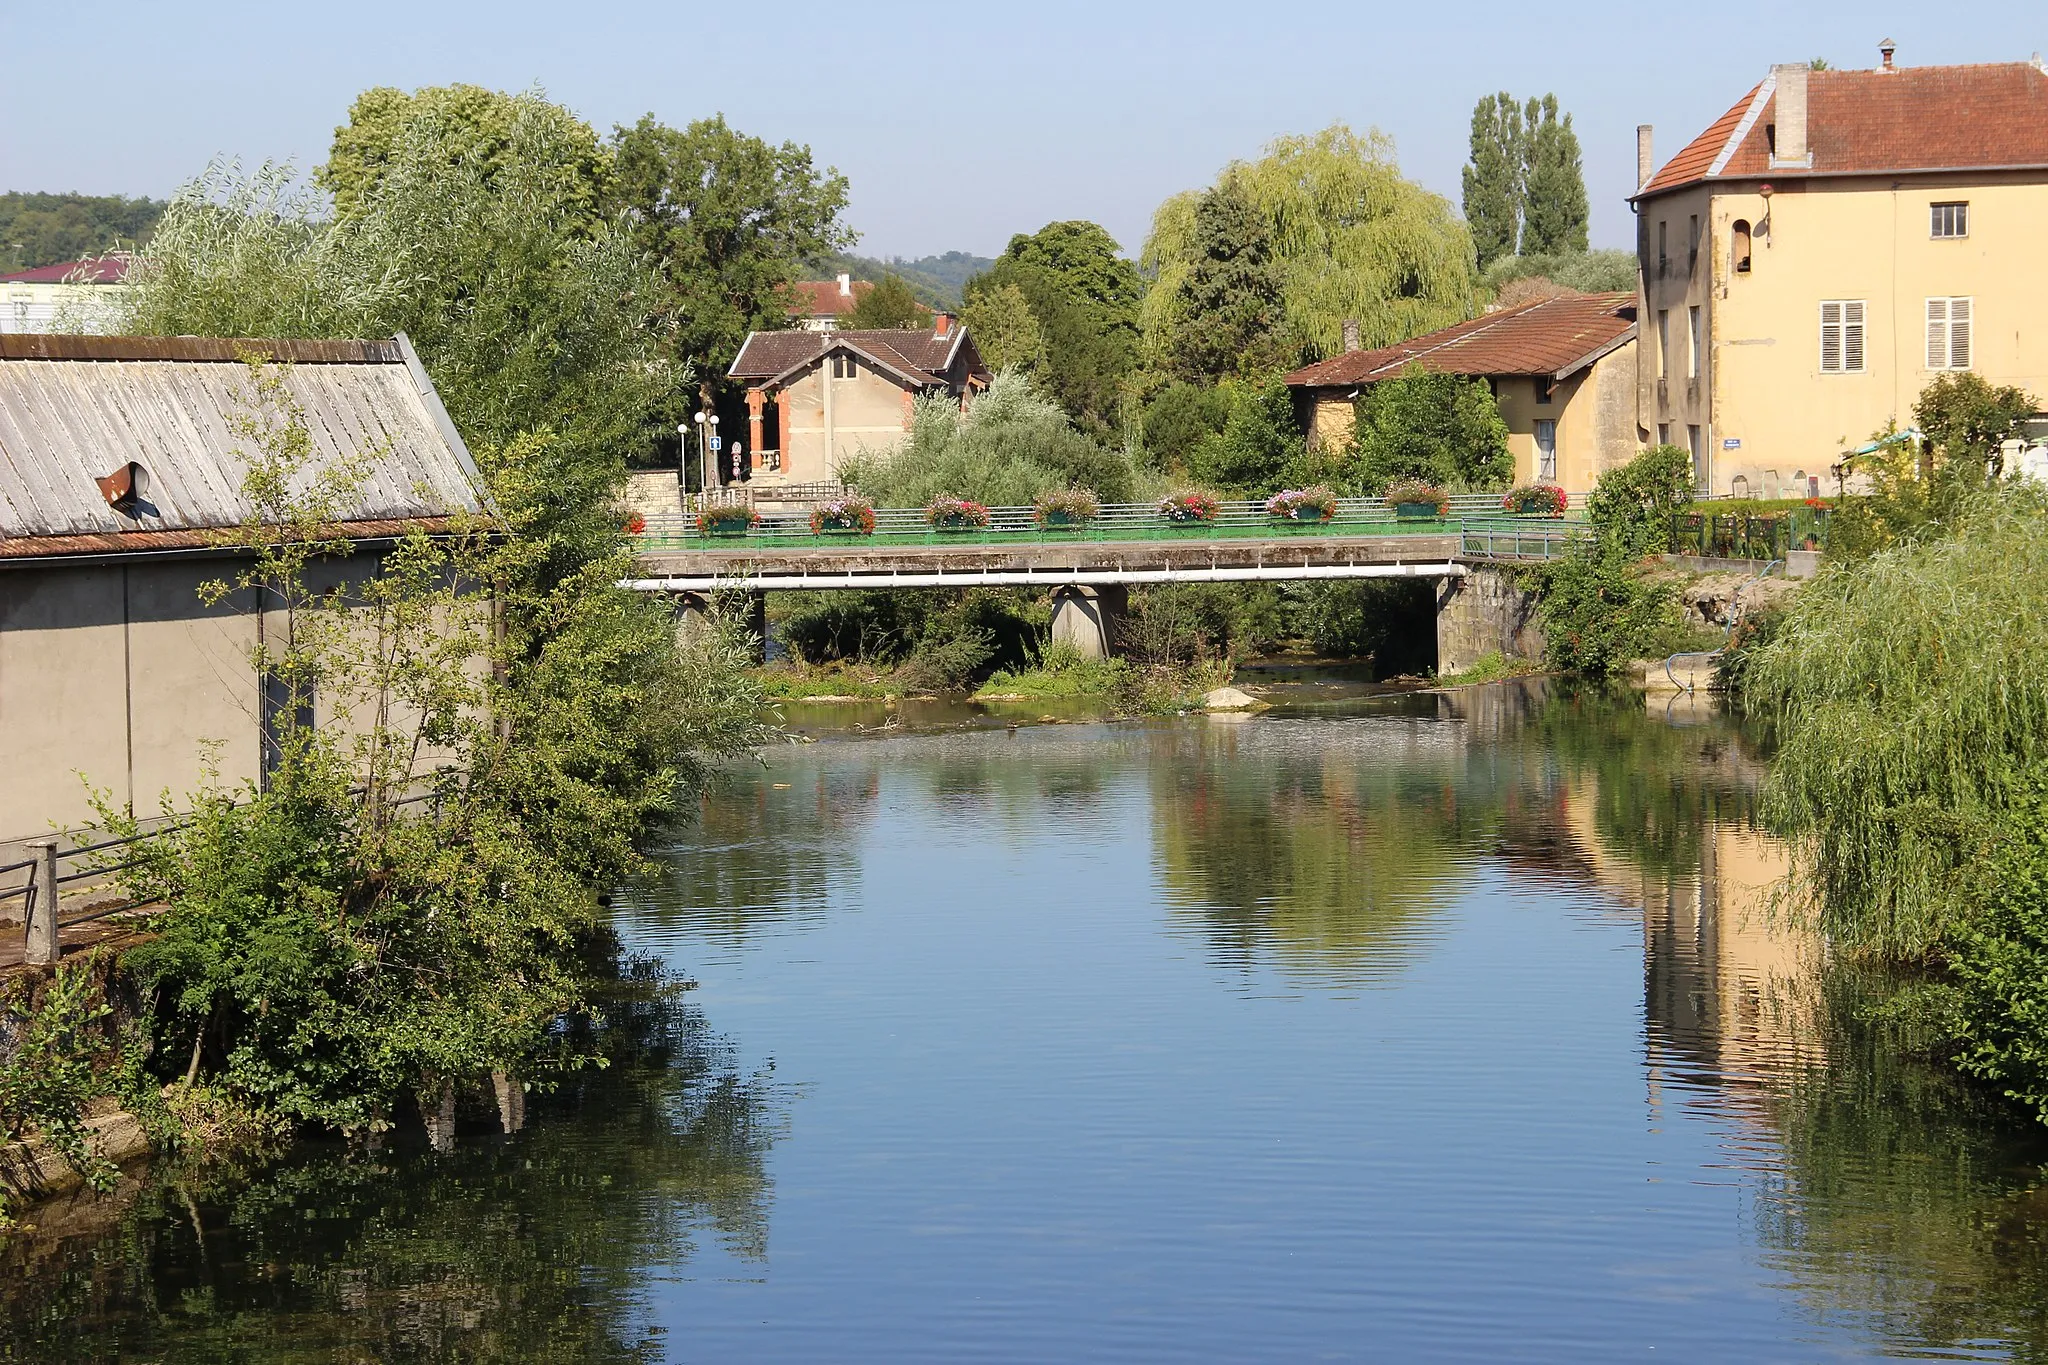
(1562, 370)
(814, 398)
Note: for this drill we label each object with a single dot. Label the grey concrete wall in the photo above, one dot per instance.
(1482, 613)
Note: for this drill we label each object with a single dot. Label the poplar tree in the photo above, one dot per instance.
(1231, 301)
(1493, 180)
(1554, 209)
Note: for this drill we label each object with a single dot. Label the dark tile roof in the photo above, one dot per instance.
(108, 270)
(1881, 122)
(1557, 336)
(915, 352)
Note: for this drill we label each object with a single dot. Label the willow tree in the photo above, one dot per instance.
(1353, 239)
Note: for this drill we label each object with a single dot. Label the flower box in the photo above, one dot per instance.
(843, 517)
(1535, 500)
(734, 520)
(1415, 500)
(956, 514)
(1417, 511)
(1068, 510)
(1189, 510)
(1303, 504)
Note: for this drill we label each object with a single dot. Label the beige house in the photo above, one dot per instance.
(816, 397)
(118, 474)
(821, 305)
(1833, 243)
(1562, 369)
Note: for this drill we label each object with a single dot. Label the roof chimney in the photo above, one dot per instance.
(1791, 149)
(1885, 50)
(1351, 334)
(1646, 161)
(846, 286)
(942, 326)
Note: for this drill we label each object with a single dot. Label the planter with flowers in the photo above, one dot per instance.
(727, 519)
(956, 514)
(1536, 500)
(1188, 509)
(1303, 504)
(636, 525)
(1415, 500)
(1067, 510)
(851, 516)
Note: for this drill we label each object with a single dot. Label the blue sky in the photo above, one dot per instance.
(958, 124)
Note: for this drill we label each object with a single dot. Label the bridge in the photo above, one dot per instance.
(1088, 569)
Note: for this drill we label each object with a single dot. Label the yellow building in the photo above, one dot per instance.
(1833, 243)
(1562, 369)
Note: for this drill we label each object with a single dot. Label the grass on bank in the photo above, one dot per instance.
(1490, 667)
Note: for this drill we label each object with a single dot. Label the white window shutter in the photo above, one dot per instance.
(1852, 336)
(1937, 334)
(1959, 334)
(1830, 337)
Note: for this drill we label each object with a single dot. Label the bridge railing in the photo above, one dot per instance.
(1115, 522)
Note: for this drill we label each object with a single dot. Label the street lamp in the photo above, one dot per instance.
(707, 440)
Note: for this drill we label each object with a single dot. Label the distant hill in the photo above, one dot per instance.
(934, 279)
(44, 229)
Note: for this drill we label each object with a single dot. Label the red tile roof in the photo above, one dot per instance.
(1881, 122)
(822, 299)
(914, 352)
(106, 270)
(1557, 337)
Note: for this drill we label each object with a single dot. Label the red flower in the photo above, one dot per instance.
(636, 524)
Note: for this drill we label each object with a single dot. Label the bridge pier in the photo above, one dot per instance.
(696, 614)
(1086, 619)
(1481, 613)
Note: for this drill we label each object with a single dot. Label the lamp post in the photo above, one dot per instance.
(707, 438)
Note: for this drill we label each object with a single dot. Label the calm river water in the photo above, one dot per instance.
(1404, 1029)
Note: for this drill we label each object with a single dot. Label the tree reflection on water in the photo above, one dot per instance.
(532, 1248)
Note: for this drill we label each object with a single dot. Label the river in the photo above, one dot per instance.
(1429, 1027)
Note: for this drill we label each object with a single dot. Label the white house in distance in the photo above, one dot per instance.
(72, 296)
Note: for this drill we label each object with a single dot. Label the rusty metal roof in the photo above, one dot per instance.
(1555, 336)
(74, 409)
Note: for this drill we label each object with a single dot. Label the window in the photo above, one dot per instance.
(1841, 336)
(1663, 343)
(844, 366)
(1948, 334)
(1692, 246)
(1663, 247)
(1546, 389)
(1663, 433)
(1950, 220)
(1546, 448)
(1740, 246)
(1696, 442)
(1693, 356)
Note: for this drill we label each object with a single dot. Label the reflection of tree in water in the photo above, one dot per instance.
(767, 845)
(1908, 1200)
(1332, 855)
(530, 1249)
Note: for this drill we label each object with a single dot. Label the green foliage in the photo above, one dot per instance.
(1390, 621)
(1259, 442)
(1228, 319)
(727, 221)
(939, 278)
(63, 1050)
(1005, 331)
(48, 229)
(889, 304)
(1008, 448)
(1443, 428)
(1587, 272)
(1998, 954)
(941, 640)
(1599, 608)
(1966, 420)
(1059, 671)
(1178, 418)
(1909, 701)
(1493, 178)
(1352, 238)
(1554, 208)
(474, 127)
(1084, 297)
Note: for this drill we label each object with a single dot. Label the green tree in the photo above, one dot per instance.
(1965, 422)
(1590, 272)
(1444, 428)
(728, 221)
(473, 126)
(889, 304)
(1554, 209)
(1493, 178)
(1599, 609)
(1178, 417)
(1085, 297)
(1353, 239)
(1004, 329)
(48, 229)
(1259, 441)
(1228, 319)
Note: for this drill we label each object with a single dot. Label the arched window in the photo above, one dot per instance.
(1738, 487)
(1739, 246)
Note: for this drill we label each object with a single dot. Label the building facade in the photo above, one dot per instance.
(816, 397)
(75, 296)
(1831, 245)
(1562, 369)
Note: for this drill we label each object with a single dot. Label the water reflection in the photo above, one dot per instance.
(533, 1248)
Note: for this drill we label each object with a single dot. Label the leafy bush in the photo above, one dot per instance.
(1259, 442)
(63, 1052)
(1998, 955)
(1631, 504)
(1442, 428)
(1599, 609)
(1179, 418)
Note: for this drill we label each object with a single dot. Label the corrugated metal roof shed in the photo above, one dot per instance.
(74, 409)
